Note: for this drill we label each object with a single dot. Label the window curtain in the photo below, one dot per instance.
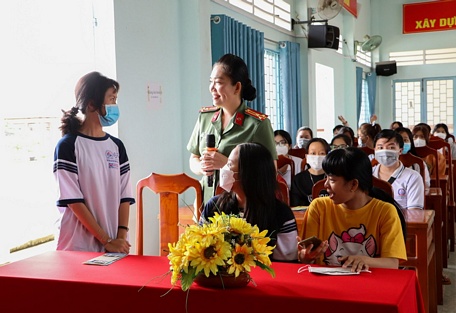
(371, 80)
(290, 82)
(359, 90)
(231, 36)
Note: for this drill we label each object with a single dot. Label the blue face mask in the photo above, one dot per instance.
(111, 117)
(406, 148)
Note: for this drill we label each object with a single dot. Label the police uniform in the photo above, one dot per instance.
(247, 125)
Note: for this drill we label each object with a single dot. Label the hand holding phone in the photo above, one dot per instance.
(311, 240)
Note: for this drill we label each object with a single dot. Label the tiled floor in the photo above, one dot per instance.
(449, 291)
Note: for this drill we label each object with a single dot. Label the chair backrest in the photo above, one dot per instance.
(445, 146)
(284, 192)
(410, 160)
(298, 152)
(168, 187)
(383, 185)
(283, 160)
(423, 152)
(367, 150)
(317, 187)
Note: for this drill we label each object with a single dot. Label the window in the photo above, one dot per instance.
(275, 12)
(363, 57)
(420, 57)
(365, 114)
(426, 100)
(45, 58)
(273, 105)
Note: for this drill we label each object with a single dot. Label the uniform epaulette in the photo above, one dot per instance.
(209, 109)
(256, 114)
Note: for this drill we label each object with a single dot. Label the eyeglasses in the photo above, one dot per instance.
(334, 147)
(281, 143)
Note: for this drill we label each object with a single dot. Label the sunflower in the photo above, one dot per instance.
(209, 256)
(240, 226)
(241, 260)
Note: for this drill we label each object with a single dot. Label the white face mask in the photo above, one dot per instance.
(226, 178)
(419, 142)
(302, 142)
(360, 142)
(440, 135)
(315, 161)
(386, 157)
(282, 150)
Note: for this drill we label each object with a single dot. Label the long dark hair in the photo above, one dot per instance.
(236, 69)
(286, 135)
(257, 174)
(91, 87)
(352, 163)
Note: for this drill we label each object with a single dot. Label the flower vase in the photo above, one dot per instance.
(222, 280)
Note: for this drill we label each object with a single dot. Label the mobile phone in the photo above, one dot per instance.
(311, 240)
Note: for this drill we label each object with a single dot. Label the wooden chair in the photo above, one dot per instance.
(298, 152)
(284, 192)
(168, 187)
(283, 160)
(410, 160)
(367, 150)
(317, 187)
(445, 146)
(423, 152)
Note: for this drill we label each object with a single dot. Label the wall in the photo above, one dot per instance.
(394, 41)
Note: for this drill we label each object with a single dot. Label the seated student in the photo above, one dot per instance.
(283, 145)
(366, 135)
(347, 131)
(407, 184)
(360, 226)
(303, 135)
(340, 142)
(421, 139)
(249, 179)
(441, 131)
(301, 187)
(396, 124)
(409, 147)
(336, 129)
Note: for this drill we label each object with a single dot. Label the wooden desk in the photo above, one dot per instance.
(443, 182)
(421, 253)
(433, 198)
(57, 282)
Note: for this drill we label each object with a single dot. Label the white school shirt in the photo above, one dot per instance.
(408, 186)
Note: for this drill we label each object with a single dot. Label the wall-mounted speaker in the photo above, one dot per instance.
(323, 36)
(386, 68)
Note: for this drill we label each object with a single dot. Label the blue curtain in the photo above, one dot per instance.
(359, 89)
(371, 80)
(231, 36)
(290, 77)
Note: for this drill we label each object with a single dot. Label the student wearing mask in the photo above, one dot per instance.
(409, 147)
(441, 131)
(420, 139)
(407, 184)
(283, 145)
(92, 171)
(303, 135)
(249, 181)
(301, 187)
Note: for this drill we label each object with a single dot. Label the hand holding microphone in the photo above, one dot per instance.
(210, 147)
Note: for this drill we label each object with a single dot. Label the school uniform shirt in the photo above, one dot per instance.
(407, 185)
(373, 230)
(96, 172)
(283, 236)
(247, 125)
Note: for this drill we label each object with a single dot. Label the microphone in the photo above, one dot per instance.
(210, 146)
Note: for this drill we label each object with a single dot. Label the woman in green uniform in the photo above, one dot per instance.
(229, 120)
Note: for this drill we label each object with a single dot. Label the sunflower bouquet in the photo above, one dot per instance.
(224, 244)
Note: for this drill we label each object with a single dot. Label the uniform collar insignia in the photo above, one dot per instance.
(239, 118)
(215, 116)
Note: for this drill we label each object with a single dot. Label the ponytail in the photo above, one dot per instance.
(70, 122)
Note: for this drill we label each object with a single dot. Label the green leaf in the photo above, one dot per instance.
(266, 268)
(187, 278)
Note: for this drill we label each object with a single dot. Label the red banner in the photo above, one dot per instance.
(429, 16)
(351, 6)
